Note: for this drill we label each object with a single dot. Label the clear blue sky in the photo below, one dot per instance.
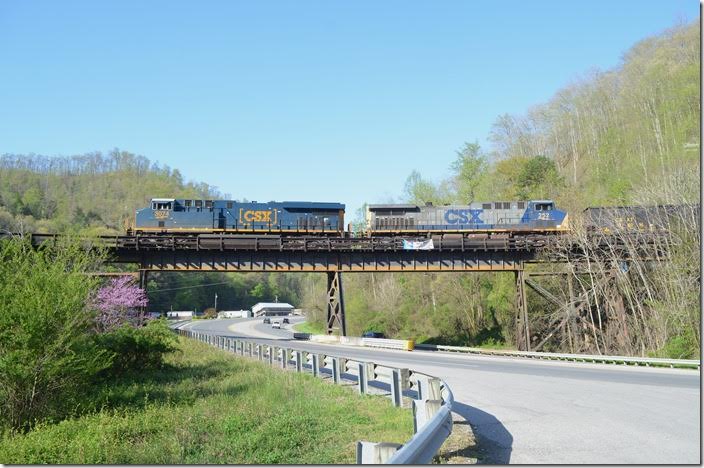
(297, 100)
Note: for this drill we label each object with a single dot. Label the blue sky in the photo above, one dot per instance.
(297, 100)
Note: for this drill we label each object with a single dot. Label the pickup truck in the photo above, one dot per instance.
(276, 324)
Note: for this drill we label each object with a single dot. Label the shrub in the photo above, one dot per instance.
(119, 302)
(47, 353)
(138, 348)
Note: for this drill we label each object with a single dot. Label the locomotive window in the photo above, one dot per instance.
(507, 205)
(208, 203)
(229, 205)
(497, 205)
(163, 206)
(199, 203)
(153, 206)
(521, 205)
(486, 206)
(188, 203)
(543, 206)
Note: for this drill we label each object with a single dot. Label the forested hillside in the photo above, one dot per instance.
(94, 193)
(629, 135)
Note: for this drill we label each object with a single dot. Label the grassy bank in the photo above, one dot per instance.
(310, 327)
(208, 407)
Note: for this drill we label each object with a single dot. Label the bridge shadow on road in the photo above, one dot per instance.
(494, 442)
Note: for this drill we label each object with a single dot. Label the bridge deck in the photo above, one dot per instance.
(215, 252)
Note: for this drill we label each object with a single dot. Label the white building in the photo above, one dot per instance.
(272, 308)
(179, 314)
(234, 314)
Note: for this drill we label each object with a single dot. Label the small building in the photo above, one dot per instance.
(179, 314)
(234, 314)
(272, 308)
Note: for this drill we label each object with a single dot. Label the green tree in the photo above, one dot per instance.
(420, 191)
(538, 178)
(47, 353)
(468, 169)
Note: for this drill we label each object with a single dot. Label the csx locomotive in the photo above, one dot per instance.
(517, 217)
(169, 215)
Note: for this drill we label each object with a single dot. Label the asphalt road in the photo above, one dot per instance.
(526, 411)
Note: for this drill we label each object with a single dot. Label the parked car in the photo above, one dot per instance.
(372, 334)
(286, 320)
(276, 324)
(267, 320)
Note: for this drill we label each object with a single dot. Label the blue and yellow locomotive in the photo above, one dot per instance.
(173, 215)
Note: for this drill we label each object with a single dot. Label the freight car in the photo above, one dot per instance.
(510, 217)
(627, 219)
(174, 215)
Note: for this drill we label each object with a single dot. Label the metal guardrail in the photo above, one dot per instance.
(627, 360)
(432, 405)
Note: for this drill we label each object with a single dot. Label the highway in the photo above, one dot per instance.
(525, 411)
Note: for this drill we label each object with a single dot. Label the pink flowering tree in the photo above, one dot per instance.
(119, 302)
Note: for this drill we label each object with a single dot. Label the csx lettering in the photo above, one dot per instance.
(256, 216)
(463, 216)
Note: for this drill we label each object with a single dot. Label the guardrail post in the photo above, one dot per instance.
(260, 352)
(316, 365)
(370, 453)
(362, 377)
(284, 358)
(271, 355)
(336, 370)
(423, 411)
(299, 361)
(396, 396)
(429, 389)
(405, 376)
(249, 349)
